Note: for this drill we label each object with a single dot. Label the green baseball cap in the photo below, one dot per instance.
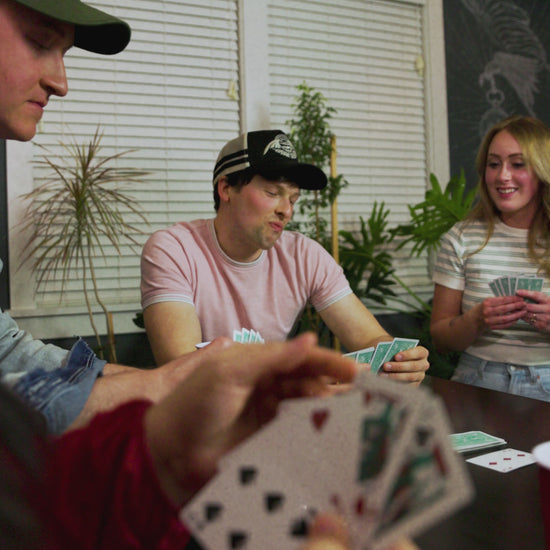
(95, 30)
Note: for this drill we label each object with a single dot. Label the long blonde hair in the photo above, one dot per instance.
(533, 137)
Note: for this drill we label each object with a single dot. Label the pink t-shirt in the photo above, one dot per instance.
(185, 263)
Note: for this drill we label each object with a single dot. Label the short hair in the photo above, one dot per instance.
(242, 178)
(236, 179)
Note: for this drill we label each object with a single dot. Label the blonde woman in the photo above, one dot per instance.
(505, 340)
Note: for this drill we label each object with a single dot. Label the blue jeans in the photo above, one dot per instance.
(523, 380)
(60, 394)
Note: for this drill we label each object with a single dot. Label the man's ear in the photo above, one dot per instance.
(223, 189)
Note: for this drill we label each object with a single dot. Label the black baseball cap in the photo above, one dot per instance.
(269, 153)
(95, 30)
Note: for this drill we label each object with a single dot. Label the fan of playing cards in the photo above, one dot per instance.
(378, 454)
(383, 352)
(243, 336)
(507, 286)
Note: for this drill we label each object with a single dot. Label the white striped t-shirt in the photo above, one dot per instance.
(506, 254)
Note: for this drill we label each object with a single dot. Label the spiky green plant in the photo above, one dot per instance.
(436, 214)
(367, 253)
(72, 215)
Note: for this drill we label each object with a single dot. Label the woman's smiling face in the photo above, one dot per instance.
(512, 185)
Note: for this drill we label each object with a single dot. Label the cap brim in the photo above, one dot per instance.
(305, 176)
(106, 38)
(95, 30)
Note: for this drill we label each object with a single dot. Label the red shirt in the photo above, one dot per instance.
(102, 490)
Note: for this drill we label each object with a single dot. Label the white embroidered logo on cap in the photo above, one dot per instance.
(281, 145)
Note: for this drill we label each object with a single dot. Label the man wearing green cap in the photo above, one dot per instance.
(66, 387)
(35, 35)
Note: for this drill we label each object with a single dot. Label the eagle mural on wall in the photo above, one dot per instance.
(519, 56)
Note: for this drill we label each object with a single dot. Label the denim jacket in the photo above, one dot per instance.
(54, 381)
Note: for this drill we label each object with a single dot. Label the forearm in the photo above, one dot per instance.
(353, 324)
(121, 384)
(118, 385)
(458, 332)
(173, 329)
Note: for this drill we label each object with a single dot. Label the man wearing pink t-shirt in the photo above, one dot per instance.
(207, 278)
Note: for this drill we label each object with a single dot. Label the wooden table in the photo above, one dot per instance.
(505, 513)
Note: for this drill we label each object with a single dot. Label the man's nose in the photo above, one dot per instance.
(54, 78)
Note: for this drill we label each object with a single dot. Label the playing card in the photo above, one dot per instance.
(432, 480)
(365, 355)
(495, 287)
(529, 283)
(362, 355)
(377, 359)
(398, 345)
(504, 460)
(248, 508)
(327, 430)
(505, 285)
(323, 433)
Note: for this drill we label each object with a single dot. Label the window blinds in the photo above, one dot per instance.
(362, 56)
(165, 97)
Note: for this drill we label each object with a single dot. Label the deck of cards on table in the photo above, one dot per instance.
(378, 454)
(467, 442)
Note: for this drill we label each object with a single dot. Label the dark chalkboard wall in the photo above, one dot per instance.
(497, 55)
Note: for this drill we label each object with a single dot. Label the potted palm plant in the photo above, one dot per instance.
(70, 216)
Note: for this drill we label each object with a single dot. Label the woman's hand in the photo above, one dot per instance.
(502, 312)
(537, 312)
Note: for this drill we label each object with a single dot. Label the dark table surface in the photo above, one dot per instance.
(505, 513)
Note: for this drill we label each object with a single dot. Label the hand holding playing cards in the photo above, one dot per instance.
(537, 311)
(502, 312)
(226, 399)
(400, 359)
(409, 365)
